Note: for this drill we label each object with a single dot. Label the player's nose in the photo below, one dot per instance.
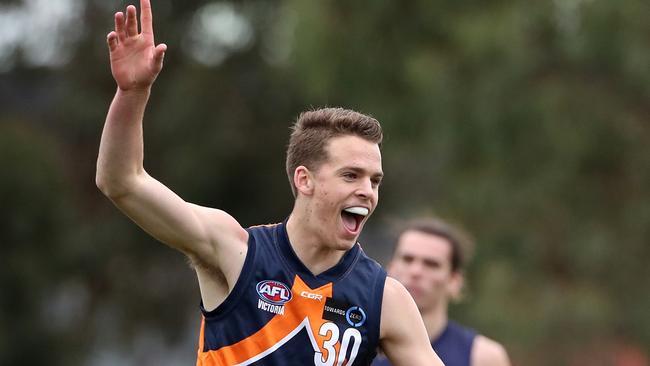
(365, 188)
(414, 269)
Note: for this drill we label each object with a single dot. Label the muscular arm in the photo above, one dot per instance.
(154, 207)
(210, 236)
(403, 336)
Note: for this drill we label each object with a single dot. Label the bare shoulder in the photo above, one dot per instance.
(395, 303)
(222, 222)
(402, 335)
(393, 287)
(227, 241)
(395, 297)
(397, 311)
(488, 352)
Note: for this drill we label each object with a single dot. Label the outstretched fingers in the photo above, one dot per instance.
(119, 26)
(112, 41)
(158, 56)
(131, 21)
(146, 17)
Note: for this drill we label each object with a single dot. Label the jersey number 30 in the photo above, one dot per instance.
(351, 338)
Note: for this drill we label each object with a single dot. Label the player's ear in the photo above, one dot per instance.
(455, 285)
(303, 180)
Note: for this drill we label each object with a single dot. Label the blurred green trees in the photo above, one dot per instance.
(526, 122)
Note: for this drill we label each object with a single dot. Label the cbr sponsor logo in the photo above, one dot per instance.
(312, 296)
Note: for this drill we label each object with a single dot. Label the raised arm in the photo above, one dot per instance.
(403, 336)
(209, 236)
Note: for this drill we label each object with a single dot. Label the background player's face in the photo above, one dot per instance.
(422, 263)
(349, 178)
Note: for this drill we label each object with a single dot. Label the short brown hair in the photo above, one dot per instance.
(313, 129)
(460, 242)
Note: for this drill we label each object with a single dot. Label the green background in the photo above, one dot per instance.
(525, 122)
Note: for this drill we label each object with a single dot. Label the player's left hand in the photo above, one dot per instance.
(135, 60)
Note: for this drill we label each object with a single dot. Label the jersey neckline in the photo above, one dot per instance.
(330, 275)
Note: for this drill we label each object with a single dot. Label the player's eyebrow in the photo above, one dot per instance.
(356, 169)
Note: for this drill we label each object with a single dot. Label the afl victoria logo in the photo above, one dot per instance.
(273, 292)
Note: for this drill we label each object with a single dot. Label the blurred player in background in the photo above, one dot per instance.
(428, 260)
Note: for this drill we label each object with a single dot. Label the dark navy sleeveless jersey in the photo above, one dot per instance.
(453, 346)
(279, 313)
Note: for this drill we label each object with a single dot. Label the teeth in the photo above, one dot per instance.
(357, 210)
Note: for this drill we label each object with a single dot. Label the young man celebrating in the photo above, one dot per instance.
(297, 293)
(428, 259)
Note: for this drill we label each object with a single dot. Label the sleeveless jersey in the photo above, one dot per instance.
(453, 346)
(279, 313)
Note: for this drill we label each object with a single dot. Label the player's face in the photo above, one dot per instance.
(346, 190)
(422, 263)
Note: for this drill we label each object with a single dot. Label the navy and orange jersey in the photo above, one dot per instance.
(279, 313)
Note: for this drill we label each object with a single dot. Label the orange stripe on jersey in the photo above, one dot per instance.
(201, 343)
(305, 310)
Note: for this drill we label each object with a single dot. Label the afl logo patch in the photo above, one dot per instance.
(274, 292)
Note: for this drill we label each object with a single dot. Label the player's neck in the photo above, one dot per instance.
(435, 320)
(312, 253)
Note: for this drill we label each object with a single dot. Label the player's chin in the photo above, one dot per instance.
(346, 243)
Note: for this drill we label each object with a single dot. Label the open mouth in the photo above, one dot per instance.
(353, 217)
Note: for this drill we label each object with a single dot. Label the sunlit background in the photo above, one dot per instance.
(525, 122)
